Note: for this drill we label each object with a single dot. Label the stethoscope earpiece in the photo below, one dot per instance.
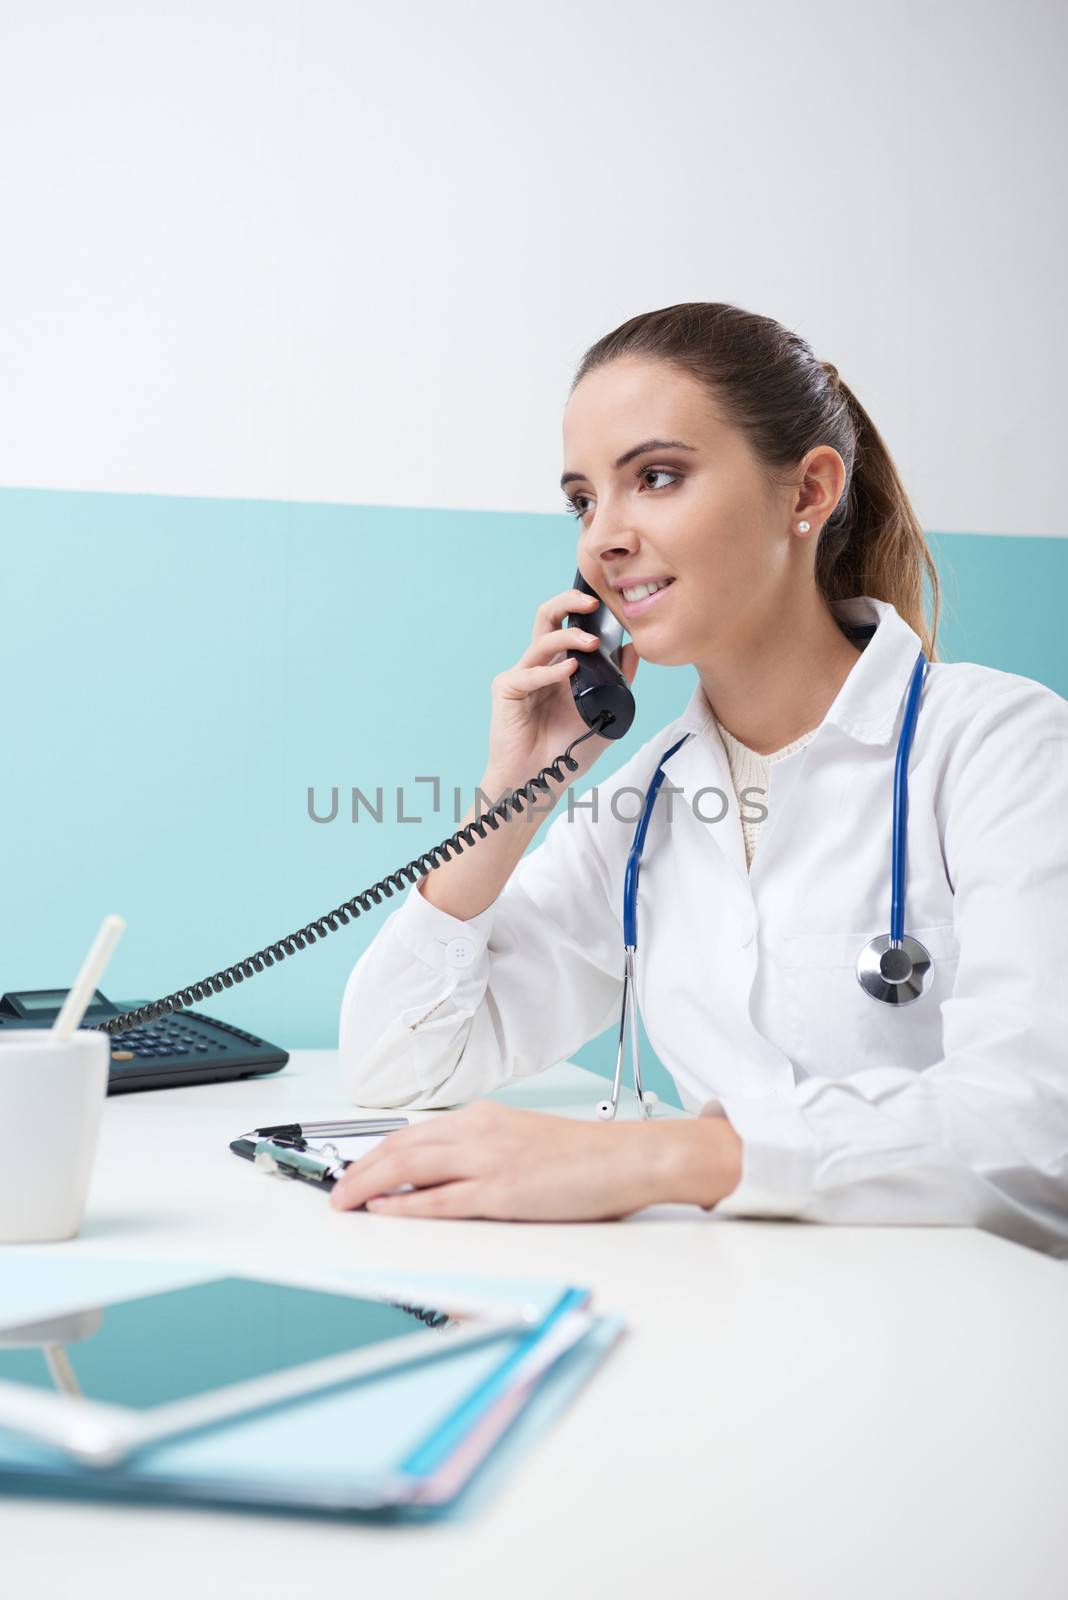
(647, 1101)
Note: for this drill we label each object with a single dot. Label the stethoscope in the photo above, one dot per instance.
(893, 967)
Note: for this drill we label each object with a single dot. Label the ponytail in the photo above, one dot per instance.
(876, 545)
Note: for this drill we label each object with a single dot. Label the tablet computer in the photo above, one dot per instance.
(102, 1380)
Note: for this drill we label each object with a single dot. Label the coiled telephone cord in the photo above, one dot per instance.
(319, 927)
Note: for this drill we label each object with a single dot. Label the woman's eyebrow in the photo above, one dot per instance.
(639, 449)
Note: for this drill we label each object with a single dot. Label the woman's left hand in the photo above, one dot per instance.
(490, 1160)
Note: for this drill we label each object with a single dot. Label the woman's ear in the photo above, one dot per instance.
(823, 477)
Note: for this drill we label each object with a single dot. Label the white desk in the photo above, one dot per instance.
(796, 1410)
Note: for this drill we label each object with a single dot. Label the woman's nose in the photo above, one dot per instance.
(609, 543)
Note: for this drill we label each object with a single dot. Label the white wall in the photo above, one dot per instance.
(348, 252)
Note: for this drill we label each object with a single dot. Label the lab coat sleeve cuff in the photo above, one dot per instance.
(778, 1157)
(427, 931)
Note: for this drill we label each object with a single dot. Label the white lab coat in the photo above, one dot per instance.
(953, 1109)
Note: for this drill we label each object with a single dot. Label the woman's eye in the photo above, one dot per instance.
(659, 472)
(575, 505)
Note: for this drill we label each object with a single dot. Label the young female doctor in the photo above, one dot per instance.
(710, 454)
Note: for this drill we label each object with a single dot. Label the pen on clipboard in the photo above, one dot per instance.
(326, 1130)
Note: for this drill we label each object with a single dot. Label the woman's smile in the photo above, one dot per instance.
(634, 608)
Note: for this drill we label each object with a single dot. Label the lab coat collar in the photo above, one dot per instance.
(867, 705)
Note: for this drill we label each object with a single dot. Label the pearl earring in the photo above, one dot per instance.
(802, 527)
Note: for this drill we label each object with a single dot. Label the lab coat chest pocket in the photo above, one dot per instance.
(836, 1029)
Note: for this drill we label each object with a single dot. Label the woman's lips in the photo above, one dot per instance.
(634, 608)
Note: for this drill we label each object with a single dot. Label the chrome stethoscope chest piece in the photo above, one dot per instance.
(897, 973)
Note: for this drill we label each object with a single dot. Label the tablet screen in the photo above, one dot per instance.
(185, 1342)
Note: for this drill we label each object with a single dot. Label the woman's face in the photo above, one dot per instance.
(695, 509)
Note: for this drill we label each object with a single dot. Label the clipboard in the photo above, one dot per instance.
(286, 1151)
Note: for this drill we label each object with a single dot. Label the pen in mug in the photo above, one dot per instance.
(85, 984)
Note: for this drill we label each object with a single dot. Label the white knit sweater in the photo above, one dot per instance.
(750, 770)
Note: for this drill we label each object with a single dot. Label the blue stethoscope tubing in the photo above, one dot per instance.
(901, 799)
(894, 968)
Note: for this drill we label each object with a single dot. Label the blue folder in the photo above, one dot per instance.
(369, 1447)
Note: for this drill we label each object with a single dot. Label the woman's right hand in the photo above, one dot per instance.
(535, 717)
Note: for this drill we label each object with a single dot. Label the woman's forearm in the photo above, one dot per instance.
(471, 881)
(696, 1162)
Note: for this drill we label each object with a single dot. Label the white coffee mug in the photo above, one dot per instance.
(51, 1097)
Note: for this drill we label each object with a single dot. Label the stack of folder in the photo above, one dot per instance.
(427, 1439)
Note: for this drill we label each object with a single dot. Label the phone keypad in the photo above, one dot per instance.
(167, 1037)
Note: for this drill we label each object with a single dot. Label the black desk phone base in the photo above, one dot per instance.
(177, 1049)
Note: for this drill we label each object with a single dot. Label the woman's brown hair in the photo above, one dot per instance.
(767, 382)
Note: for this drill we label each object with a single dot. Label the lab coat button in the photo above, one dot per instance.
(459, 952)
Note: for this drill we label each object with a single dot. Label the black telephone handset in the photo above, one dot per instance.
(597, 683)
(605, 704)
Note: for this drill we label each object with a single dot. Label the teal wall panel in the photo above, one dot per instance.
(177, 672)
(1004, 602)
